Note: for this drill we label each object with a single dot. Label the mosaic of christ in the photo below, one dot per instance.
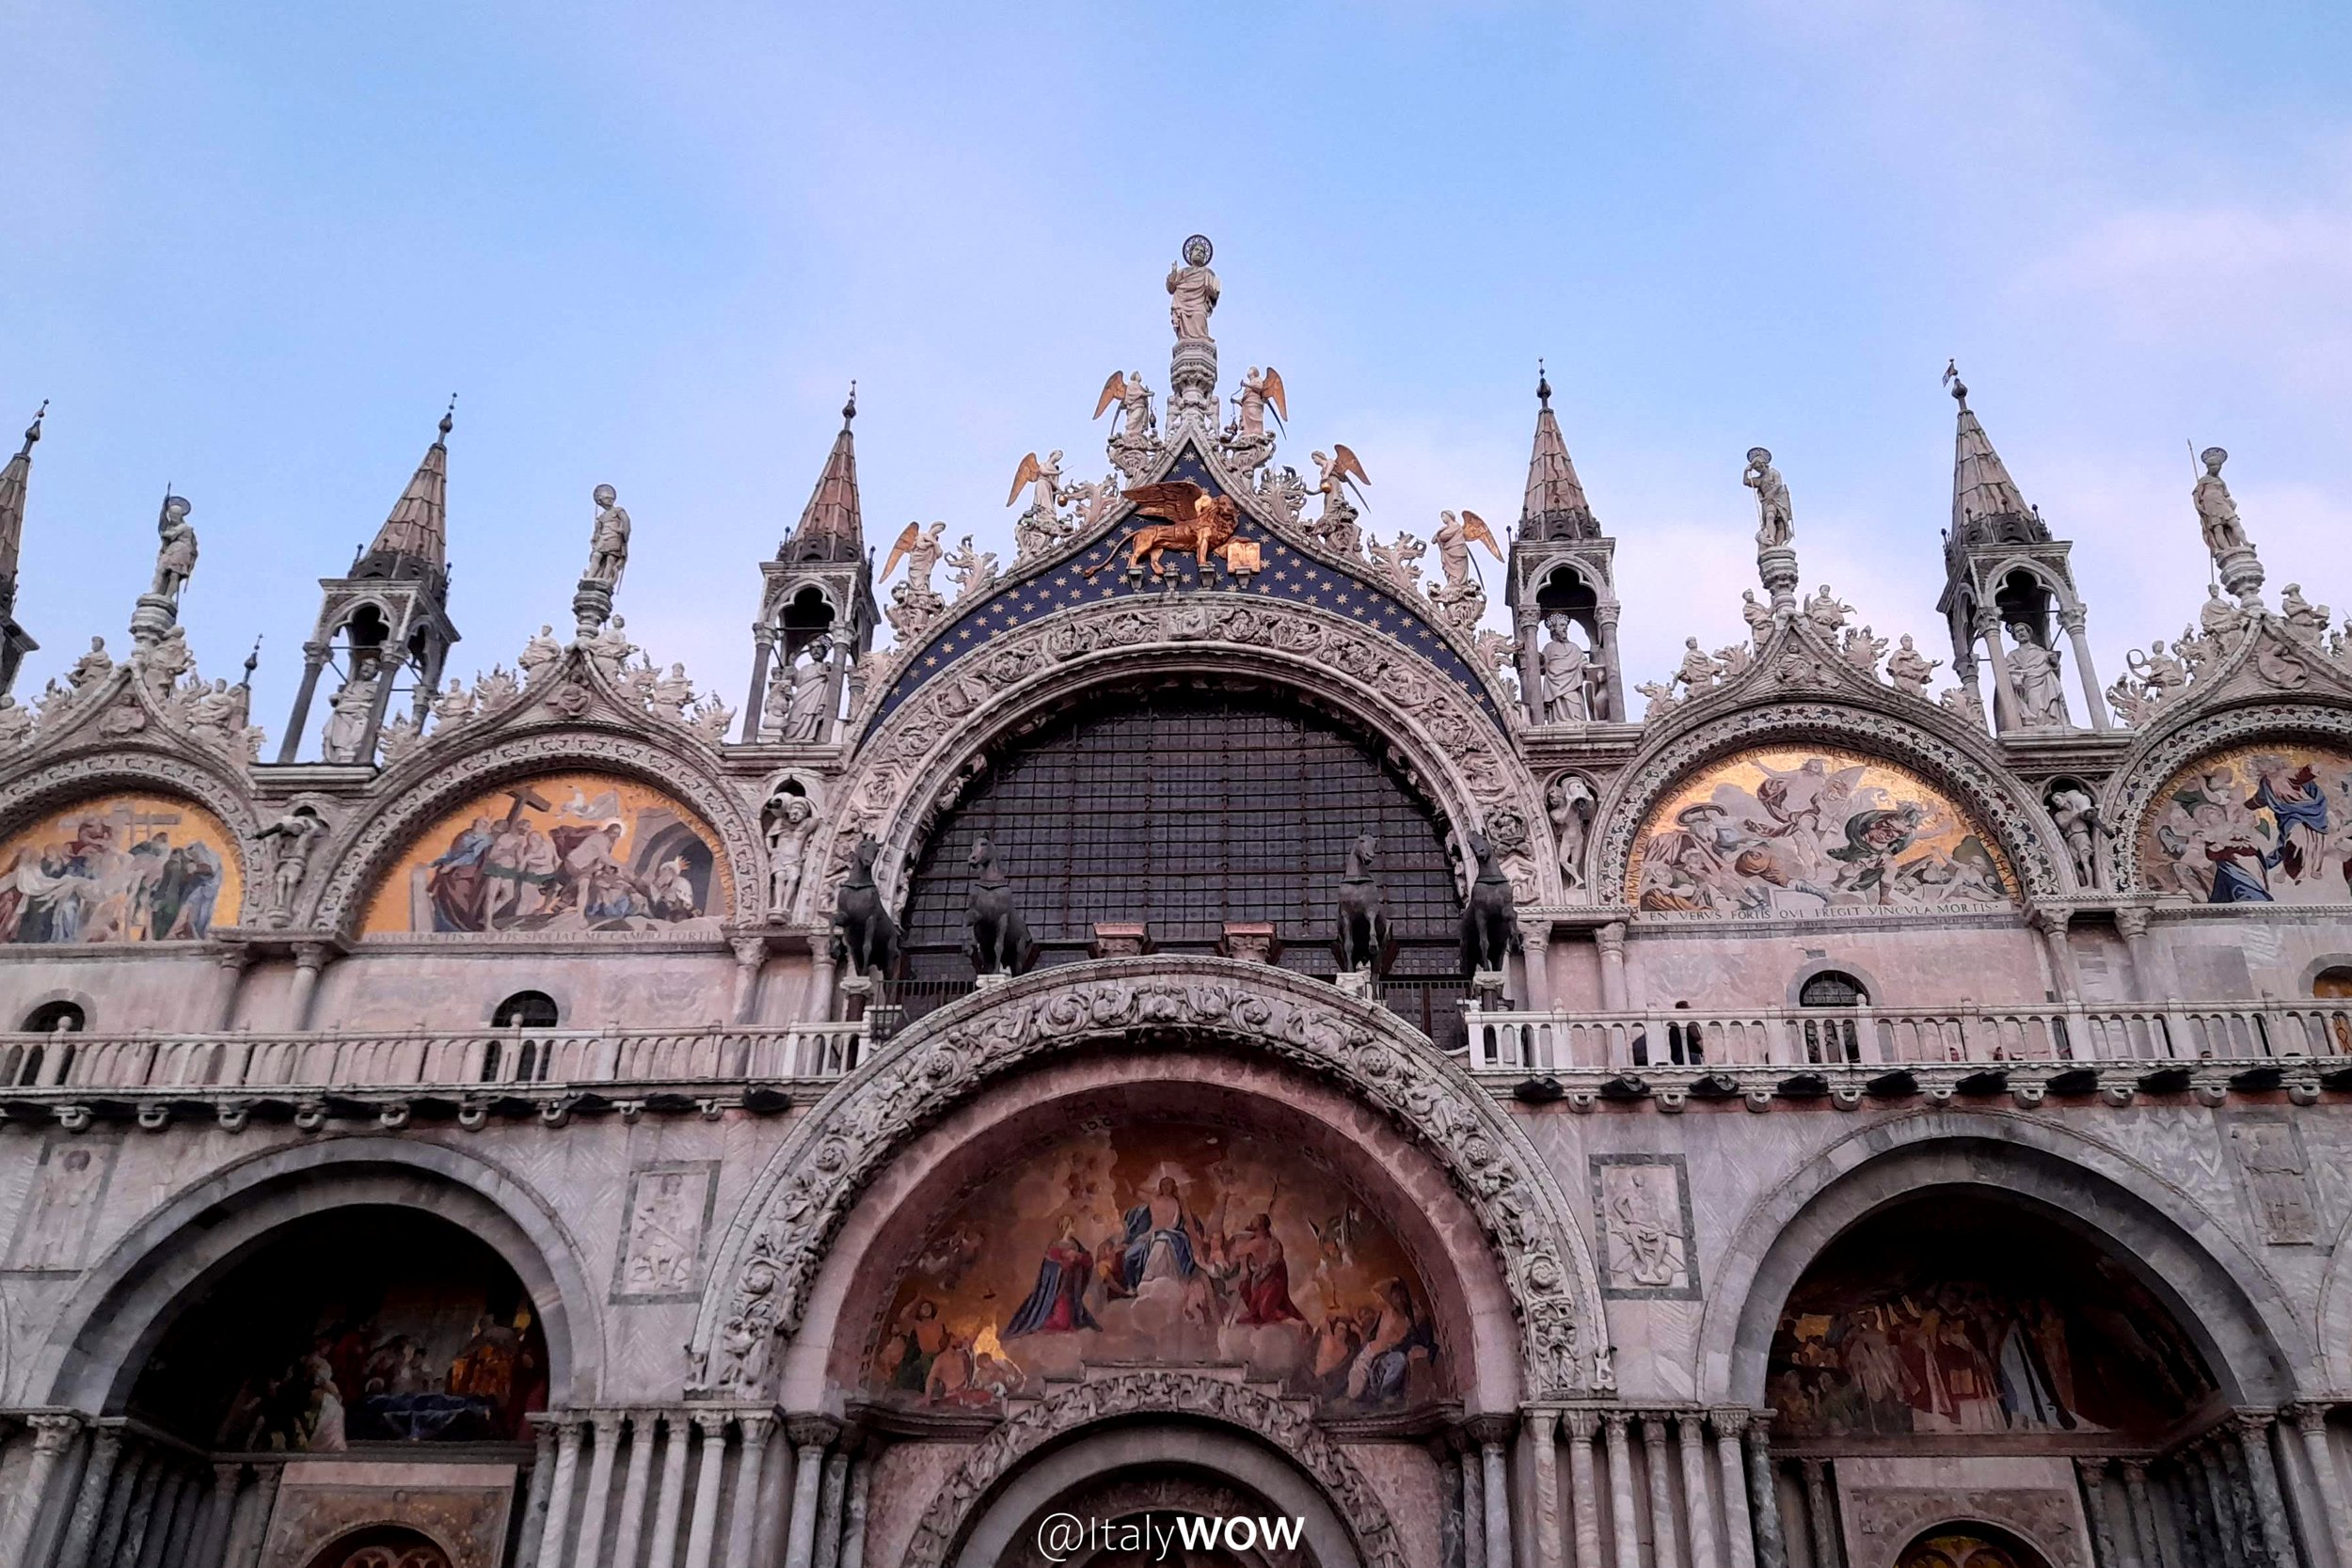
(2261, 825)
(1795, 832)
(1161, 1243)
(119, 868)
(560, 853)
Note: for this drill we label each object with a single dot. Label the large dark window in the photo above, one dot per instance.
(1185, 810)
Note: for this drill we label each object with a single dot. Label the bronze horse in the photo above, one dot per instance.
(863, 933)
(994, 939)
(1490, 922)
(1364, 939)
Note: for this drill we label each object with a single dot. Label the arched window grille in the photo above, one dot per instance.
(1832, 1039)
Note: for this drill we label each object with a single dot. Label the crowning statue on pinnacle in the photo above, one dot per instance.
(1192, 291)
(608, 545)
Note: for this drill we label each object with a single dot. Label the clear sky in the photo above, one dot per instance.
(251, 249)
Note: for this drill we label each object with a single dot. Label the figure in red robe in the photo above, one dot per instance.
(1263, 1279)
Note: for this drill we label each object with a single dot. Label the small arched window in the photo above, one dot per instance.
(525, 1009)
(2333, 984)
(519, 1060)
(1832, 1039)
(56, 1018)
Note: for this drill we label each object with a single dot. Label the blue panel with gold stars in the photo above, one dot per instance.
(1288, 573)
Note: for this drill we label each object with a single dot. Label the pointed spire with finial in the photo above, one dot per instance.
(15, 479)
(418, 528)
(1987, 505)
(831, 526)
(1555, 507)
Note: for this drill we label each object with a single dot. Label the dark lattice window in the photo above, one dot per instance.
(1185, 810)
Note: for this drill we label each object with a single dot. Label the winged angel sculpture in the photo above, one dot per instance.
(1336, 527)
(1190, 520)
(1135, 446)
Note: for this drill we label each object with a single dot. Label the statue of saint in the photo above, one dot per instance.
(347, 722)
(2216, 514)
(2218, 616)
(1910, 669)
(1192, 291)
(790, 817)
(1566, 674)
(2034, 671)
(175, 556)
(1775, 522)
(805, 714)
(607, 545)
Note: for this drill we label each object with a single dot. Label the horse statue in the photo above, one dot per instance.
(1490, 921)
(994, 939)
(863, 932)
(1363, 941)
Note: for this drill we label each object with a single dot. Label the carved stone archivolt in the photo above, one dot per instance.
(773, 1252)
(2131, 793)
(909, 767)
(1284, 1425)
(1939, 750)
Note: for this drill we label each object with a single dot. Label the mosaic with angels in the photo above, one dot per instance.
(1165, 1244)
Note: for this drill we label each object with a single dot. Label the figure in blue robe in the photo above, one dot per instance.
(2301, 814)
(1143, 1233)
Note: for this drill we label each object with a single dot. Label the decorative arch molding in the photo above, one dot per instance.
(773, 1249)
(2166, 750)
(2225, 1297)
(1163, 1392)
(915, 761)
(411, 796)
(124, 1302)
(60, 780)
(1963, 764)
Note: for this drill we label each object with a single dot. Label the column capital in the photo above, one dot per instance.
(748, 951)
(1615, 1420)
(1541, 1420)
(2133, 922)
(2311, 1414)
(1581, 1424)
(2251, 1421)
(51, 1434)
(1490, 1430)
(2092, 1467)
(713, 1424)
(1730, 1420)
(2134, 1472)
(2075, 620)
(1690, 1429)
(225, 1476)
(756, 1429)
(1611, 938)
(607, 1424)
(2049, 920)
(811, 1432)
(1654, 1430)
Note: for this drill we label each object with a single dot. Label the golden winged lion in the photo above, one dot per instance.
(1191, 520)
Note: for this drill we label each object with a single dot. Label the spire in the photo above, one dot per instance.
(418, 528)
(1987, 506)
(13, 483)
(831, 528)
(1555, 507)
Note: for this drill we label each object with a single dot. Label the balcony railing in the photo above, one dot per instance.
(1798, 1039)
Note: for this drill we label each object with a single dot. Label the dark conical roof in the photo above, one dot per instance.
(1555, 507)
(418, 528)
(15, 479)
(831, 526)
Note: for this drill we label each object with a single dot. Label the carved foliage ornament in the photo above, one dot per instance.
(1158, 1392)
(911, 757)
(1940, 760)
(817, 1176)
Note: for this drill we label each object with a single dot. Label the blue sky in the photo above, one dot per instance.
(253, 249)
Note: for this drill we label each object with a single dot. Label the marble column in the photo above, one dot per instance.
(1605, 620)
(1764, 1492)
(750, 1466)
(703, 1534)
(2147, 986)
(1491, 1430)
(250, 1536)
(1622, 1522)
(309, 957)
(604, 1437)
(1819, 1515)
(2052, 924)
(817, 1006)
(629, 1532)
(1542, 1458)
(775, 1499)
(535, 1495)
(165, 1519)
(2261, 1471)
(1449, 1503)
(559, 1521)
(853, 1511)
(1610, 939)
(1663, 1543)
(51, 1436)
(2090, 1476)
(1739, 1534)
(836, 1489)
(2311, 1422)
(2004, 694)
(1696, 1504)
(153, 1477)
(2077, 626)
(2193, 1491)
(751, 953)
(1583, 1502)
(670, 1503)
(2230, 1536)
(1538, 961)
(2153, 1542)
(212, 1548)
(233, 963)
(1474, 1507)
(810, 1436)
(132, 1479)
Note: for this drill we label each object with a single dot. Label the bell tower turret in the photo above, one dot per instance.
(1562, 588)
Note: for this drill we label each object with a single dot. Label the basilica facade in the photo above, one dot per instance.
(1191, 1021)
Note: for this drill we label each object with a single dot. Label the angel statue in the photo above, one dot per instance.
(2216, 514)
(1336, 527)
(1775, 522)
(607, 544)
(1192, 291)
(1134, 406)
(1260, 391)
(1045, 476)
(175, 556)
(1454, 539)
(920, 549)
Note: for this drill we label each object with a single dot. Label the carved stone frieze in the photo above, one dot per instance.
(1456, 752)
(1914, 735)
(1284, 1425)
(2196, 729)
(808, 1189)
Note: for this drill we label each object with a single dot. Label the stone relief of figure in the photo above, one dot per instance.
(972, 569)
(1824, 610)
(453, 708)
(672, 694)
(1962, 702)
(1911, 670)
(1696, 672)
(609, 648)
(1192, 291)
(805, 719)
(162, 663)
(2033, 670)
(1570, 803)
(91, 668)
(1260, 391)
(347, 719)
(608, 542)
(2221, 618)
(790, 819)
(539, 656)
(2216, 514)
(2160, 673)
(216, 715)
(1757, 616)
(2078, 817)
(16, 723)
(1454, 539)
(1566, 672)
(1775, 521)
(2304, 620)
(175, 555)
(291, 838)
